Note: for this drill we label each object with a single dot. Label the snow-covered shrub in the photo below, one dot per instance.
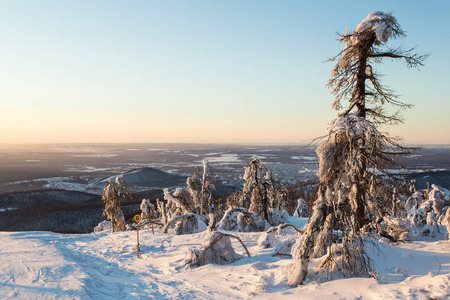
(430, 229)
(148, 210)
(284, 248)
(440, 198)
(180, 201)
(229, 219)
(103, 226)
(343, 260)
(414, 201)
(396, 229)
(186, 224)
(431, 212)
(267, 240)
(423, 222)
(417, 217)
(443, 217)
(241, 220)
(277, 217)
(301, 210)
(216, 248)
(250, 222)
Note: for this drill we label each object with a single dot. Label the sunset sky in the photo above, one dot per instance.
(224, 71)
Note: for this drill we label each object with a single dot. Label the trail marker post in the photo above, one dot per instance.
(137, 218)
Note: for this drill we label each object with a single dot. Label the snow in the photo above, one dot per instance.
(311, 158)
(379, 22)
(46, 265)
(224, 158)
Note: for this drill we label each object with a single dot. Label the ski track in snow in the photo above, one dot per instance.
(46, 265)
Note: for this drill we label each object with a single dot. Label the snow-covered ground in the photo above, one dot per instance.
(46, 265)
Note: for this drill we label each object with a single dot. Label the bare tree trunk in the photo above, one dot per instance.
(306, 252)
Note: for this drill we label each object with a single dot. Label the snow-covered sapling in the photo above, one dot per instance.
(112, 194)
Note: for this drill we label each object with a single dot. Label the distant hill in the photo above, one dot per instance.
(440, 178)
(59, 210)
(150, 177)
(52, 197)
(77, 211)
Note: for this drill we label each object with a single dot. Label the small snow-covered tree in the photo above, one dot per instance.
(301, 210)
(193, 186)
(201, 189)
(148, 210)
(207, 187)
(265, 193)
(354, 158)
(112, 194)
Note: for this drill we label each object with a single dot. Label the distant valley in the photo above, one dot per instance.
(58, 187)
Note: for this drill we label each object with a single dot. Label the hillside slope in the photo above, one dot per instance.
(150, 177)
(44, 265)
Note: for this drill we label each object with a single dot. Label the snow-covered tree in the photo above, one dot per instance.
(207, 187)
(148, 210)
(354, 158)
(201, 189)
(112, 194)
(265, 193)
(194, 186)
(301, 210)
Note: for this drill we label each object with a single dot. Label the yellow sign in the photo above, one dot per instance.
(137, 218)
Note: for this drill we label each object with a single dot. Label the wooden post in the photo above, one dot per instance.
(138, 248)
(137, 218)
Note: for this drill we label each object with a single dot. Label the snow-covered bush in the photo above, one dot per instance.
(284, 248)
(181, 201)
(239, 219)
(103, 226)
(216, 248)
(396, 229)
(186, 224)
(443, 217)
(302, 209)
(267, 240)
(277, 217)
(148, 210)
(414, 201)
(431, 211)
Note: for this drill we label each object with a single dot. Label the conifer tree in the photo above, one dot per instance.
(112, 194)
(355, 156)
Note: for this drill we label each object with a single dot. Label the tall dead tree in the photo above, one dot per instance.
(355, 157)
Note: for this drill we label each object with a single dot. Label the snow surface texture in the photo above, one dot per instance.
(45, 265)
(379, 22)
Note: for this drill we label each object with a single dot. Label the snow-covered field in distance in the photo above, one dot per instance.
(82, 167)
(45, 265)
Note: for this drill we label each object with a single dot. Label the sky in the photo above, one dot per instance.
(226, 71)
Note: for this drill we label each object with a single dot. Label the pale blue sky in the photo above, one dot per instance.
(202, 71)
